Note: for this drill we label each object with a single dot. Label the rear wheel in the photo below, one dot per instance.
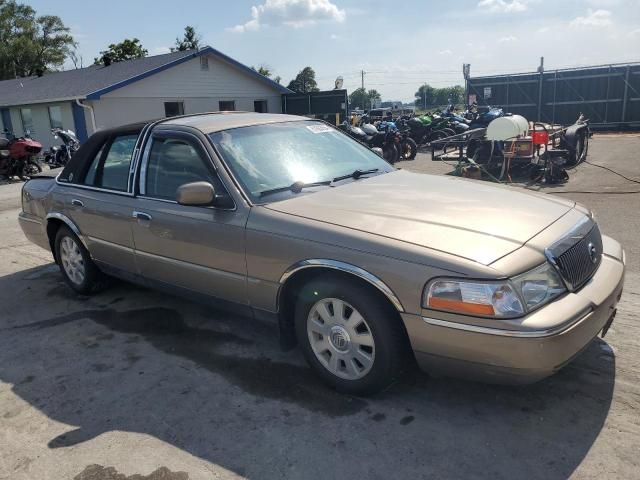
(349, 335)
(78, 270)
(409, 148)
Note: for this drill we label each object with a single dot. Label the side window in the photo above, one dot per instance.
(90, 177)
(227, 105)
(111, 171)
(172, 163)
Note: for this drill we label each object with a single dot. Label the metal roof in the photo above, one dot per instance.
(91, 82)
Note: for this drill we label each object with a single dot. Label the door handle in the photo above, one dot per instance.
(141, 216)
(77, 203)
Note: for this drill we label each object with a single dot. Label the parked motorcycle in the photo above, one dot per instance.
(59, 155)
(18, 156)
(457, 122)
(481, 119)
(370, 136)
(425, 130)
(408, 146)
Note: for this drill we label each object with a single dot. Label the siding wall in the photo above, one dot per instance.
(41, 130)
(200, 90)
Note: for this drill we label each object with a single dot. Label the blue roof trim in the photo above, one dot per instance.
(98, 93)
(79, 122)
(6, 119)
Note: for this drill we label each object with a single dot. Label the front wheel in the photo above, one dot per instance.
(31, 168)
(350, 337)
(391, 153)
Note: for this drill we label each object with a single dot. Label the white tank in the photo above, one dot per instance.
(507, 128)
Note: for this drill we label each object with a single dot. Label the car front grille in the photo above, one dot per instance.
(577, 257)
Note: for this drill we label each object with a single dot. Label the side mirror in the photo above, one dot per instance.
(195, 193)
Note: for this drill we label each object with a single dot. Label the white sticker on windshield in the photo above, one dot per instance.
(319, 128)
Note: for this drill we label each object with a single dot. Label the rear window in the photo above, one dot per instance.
(110, 167)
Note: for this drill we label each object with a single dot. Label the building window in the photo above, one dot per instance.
(27, 120)
(227, 105)
(260, 106)
(55, 117)
(173, 109)
(204, 62)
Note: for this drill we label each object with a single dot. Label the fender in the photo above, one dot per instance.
(343, 267)
(74, 228)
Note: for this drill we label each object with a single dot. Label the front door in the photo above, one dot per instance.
(199, 248)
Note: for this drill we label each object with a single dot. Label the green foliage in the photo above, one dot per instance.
(30, 44)
(190, 40)
(125, 50)
(427, 96)
(263, 70)
(304, 82)
(363, 98)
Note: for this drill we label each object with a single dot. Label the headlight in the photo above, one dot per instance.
(500, 299)
(539, 286)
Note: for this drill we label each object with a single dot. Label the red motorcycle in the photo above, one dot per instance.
(18, 156)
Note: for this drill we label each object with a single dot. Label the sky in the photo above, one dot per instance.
(399, 44)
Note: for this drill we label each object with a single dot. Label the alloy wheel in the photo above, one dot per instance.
(72, 261)
(340, 338)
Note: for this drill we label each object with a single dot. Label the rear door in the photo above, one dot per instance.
(198, 248)
(100, 203)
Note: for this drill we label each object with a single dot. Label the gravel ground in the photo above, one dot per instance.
(133, 385)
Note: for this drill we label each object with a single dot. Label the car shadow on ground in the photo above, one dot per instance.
(218, 387)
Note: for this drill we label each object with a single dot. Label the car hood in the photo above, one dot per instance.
(467, 218)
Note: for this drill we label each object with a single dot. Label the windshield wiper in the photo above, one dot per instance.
(356, 174)
(295, 187)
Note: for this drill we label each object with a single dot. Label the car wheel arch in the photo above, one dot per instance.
(302, 273)
(54, 222)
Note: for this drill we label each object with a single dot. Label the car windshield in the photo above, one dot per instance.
(264, 158)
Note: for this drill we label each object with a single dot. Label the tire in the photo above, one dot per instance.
(78, 270)
(409, 149)
(391, 153)
(32, 168)
(359, 367)
(580, 153)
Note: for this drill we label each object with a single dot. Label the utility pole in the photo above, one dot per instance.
(424, 96)
(364, 97)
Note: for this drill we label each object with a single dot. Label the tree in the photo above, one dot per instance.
(363, 98)
(304, 82)
(446, 95)
(190, 40)
(425, 96)
(119, 52)
(30, 44)
(263, 70)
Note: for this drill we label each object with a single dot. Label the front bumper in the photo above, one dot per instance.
(530, 349)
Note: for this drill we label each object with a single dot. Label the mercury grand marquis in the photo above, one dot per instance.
(364, 266)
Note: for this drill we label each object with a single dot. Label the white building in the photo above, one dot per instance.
(102, 96)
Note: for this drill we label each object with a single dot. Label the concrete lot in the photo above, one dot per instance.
(132, 384)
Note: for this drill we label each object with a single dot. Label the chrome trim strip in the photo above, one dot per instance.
(96, 189)
(509, 333)
(347, 268)
(110, 244)
(195, 266)
(74, 228)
